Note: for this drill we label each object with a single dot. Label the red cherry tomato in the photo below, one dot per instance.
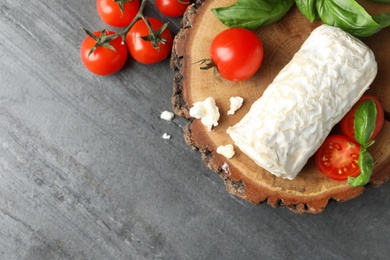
(347, 123)
(237, 53)
(337, 158)
(110, 12)
(103, 61)
(142, 50)
(172, 8)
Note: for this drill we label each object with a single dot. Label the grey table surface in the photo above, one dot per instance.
(86, 174)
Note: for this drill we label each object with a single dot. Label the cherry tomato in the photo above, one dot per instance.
(172, 8)
(110, 12)
(347, 123)
(142, 50)
(237, 53)
(103, 61)
(337, 158)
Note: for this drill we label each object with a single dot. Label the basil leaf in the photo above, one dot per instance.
(383, 19)
(366, 164)
(365, 119)
(308, 9)
(351, 17)
(251, 14)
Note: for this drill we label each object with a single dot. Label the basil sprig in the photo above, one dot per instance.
(364, 125)
(365, 119)
(308, 9)
(348, 15)
(251, 14)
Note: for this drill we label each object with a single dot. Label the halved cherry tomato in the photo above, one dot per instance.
(337, 158)
(141, 49)
(237, 53)
(110, 11)
(103, 61)
(347, 123)
(172, 8)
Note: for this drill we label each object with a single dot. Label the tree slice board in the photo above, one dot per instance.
(310, 191)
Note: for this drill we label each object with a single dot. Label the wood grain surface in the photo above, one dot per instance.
(85, 174)
(310, 191)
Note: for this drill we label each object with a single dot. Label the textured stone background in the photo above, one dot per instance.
(85, 173)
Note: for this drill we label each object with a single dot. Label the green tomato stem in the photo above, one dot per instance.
(105, 40)
(138, 16)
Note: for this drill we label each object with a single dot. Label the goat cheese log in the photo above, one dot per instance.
(311, 94)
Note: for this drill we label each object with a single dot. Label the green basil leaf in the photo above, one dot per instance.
(383, 19)
(251, 14)
(350, 16)
(370, 143)
(365, 119)
(308, 9)
(366, 164)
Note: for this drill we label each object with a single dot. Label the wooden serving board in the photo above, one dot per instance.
(310, 191)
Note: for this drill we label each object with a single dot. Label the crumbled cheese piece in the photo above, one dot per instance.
(166, 136)
(226, 150)
(225, 167)
(235, 104)
(206, 111)
(166, 115)
(226, 170)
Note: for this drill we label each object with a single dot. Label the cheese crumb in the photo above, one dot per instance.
(226, 169)
(226, 150)
(206, 111)
(166, 136)
(166, 115)
(235, 104)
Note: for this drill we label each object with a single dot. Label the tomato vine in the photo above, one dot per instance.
(154, 36)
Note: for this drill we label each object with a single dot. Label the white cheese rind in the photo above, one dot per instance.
(311, 94)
